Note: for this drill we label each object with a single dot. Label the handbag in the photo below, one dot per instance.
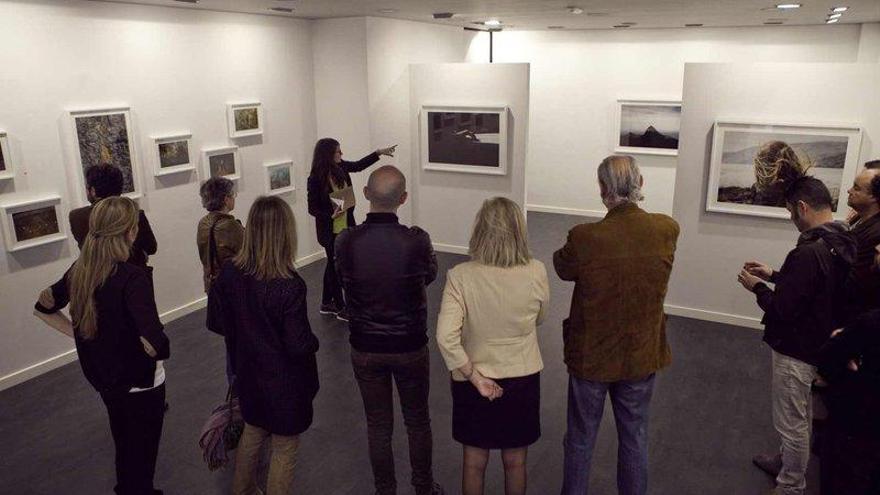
(222, 432)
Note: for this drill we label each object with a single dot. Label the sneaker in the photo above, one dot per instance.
(769, 463)
(342, 315)
(329, 309)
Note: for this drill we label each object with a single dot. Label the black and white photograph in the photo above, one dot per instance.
(649, 127)
(752, 165)
(467, 141)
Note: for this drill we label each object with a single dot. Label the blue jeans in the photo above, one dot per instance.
(586, 401)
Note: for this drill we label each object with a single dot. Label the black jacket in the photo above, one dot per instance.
(384, 267)
(114, 360)
(144, 244)
(320, 206)
(809, 300)
(863, 284)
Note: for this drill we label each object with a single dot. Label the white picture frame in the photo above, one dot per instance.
(444, 149)
(233, 170)
(244, 119)
(104, 129)
(7, 166)
(172, 154)
(641, 123)
(32, 222)
(832, 148)
(275, 180)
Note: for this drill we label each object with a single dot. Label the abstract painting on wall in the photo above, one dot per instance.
(32, 222)
(279, 178)
(172, 154)
(7, 170)
(648, 127)
(464, 139)
(221, 162)
(104, 137)
(244, 119)
(753, 162)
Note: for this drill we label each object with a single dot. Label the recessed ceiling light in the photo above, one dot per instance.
(555, 27)
(187, 1)
(492, 23)
(773, 23)
(839, 9)
(286, 10)
(621, 25)
(575, 10)
(834, 16)
(387, 11)
(785, 6)
(832, 21)
(692, 25)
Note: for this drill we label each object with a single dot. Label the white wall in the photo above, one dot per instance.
(176, 68)
(713, 246)
(446, 202)
(869, 43)
(577, 76)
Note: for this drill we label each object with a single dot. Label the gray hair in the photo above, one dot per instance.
(620, 179)
(214, 192)
(386, 185)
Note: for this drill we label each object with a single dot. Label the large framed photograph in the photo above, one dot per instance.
(751, 161)
(221, 162)
(172, 154)
(464, 139)
(244, 119)
(279, 178)
(7, 168)
(32, 222)
(648, 127)
(104, 136)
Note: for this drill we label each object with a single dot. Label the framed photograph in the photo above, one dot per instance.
(743, 180)
(104, 136)
(648, 127)
(7, 169)
(244, 119)
(32, 222)
(221, 162)
(279, 178)
(464, 139)
(172, 154)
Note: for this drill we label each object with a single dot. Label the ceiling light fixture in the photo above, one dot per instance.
(575, 10)
(286, 10)
(387, 11)
(621, 25)
(787, 6)
(834, 16)
(187, 1)
(773, 23)
(839, 9)
(832, 21)
(555, 27)
(693, 25)
(492, 23)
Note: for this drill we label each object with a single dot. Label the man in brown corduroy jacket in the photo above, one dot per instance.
(615, 335)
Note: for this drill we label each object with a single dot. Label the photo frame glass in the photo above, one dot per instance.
(464, 139)
(173, 154)
(649, 127)
(222, 162)
(245, 119)
(279, 178)
(104, 136)
(32, 223)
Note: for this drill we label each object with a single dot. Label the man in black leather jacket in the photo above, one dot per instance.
(384, 267)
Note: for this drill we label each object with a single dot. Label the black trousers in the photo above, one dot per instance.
(332, 288)
(136, 424)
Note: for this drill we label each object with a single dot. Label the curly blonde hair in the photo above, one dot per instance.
(778, 164)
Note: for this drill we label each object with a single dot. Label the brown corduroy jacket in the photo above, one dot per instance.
(616, 329)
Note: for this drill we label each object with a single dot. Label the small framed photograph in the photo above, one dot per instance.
(221, 162)
(464, 139)
(279, 178)
(172, 154)
(648, 127)
(7, 169)
(244, 119)
(32, 222)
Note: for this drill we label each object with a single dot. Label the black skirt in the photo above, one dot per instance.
(510, 422)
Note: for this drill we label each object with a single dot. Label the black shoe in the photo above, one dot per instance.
(342, 315)
(329, 309)
(769, 463)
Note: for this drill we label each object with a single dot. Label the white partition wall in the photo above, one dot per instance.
(444, 203)
(713, 246)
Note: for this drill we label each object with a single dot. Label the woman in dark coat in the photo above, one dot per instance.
(330, 176)
(258, 303)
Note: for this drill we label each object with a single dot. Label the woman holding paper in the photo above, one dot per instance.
(331, 201)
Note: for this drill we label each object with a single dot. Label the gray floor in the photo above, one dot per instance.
(710, 414)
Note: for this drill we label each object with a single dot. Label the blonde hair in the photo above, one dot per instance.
(777, 163)
(620, 179)
(269, 246)
(499, 237)
(106, 244)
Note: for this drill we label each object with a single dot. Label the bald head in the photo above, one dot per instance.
(386, 189)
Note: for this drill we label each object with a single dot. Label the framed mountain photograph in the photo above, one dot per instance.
(648, 127)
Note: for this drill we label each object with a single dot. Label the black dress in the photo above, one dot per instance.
(271, 345)
(509, 422)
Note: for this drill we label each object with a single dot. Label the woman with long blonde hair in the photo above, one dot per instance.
(258, 302)
(486, 332)
(119, 338)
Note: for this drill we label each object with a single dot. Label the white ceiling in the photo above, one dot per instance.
(540, 14)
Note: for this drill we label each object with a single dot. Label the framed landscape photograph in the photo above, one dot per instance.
(743, 181)
(244, 119)
(32, 222)
(221, 162)
(648, 127)
(279, 178)
(172, 154)
(464, 139)
(104, 136)
(7, 169)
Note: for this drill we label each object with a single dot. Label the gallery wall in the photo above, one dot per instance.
(712, 247)
(176, 69)
(577, 76)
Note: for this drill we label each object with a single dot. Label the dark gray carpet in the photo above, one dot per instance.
(710, 414)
